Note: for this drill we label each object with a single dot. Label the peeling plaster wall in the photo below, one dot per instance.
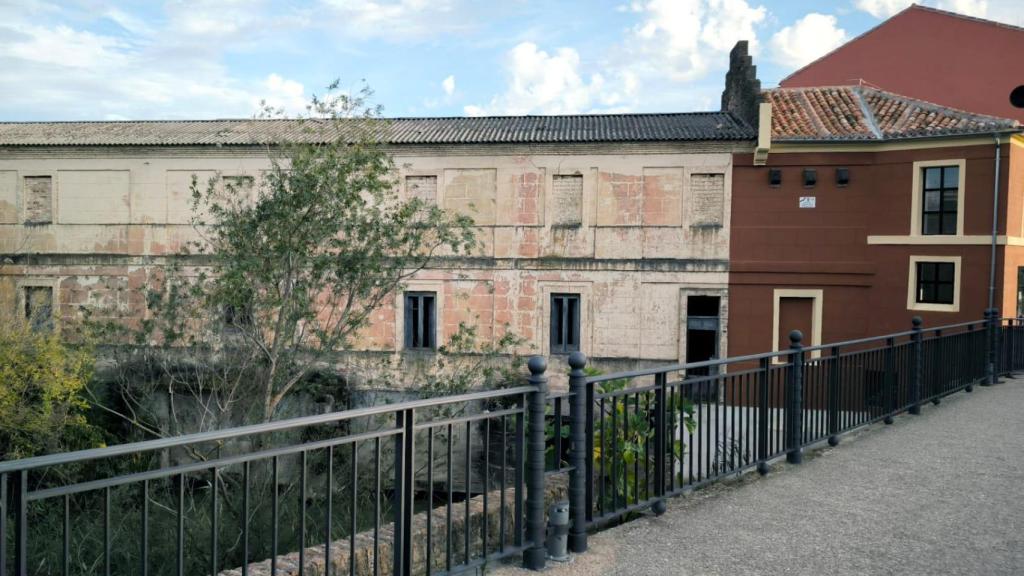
(632, 228)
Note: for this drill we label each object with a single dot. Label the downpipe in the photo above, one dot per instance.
(991, 377)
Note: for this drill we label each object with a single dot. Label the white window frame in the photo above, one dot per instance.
(917, 197)
(913, 304)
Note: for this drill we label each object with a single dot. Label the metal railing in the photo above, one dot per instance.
(357, 491)
(649, 434)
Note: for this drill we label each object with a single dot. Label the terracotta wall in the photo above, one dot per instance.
(776, 244)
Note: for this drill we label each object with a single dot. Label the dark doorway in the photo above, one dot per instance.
(701, 331)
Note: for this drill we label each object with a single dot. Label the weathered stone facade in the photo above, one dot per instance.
(633, 228)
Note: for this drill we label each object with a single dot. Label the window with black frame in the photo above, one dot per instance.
(419, 320)
(565, 323)
(940, 200)
(935, 282)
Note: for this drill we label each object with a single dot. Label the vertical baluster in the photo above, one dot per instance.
(181, 525)
(354, 517)
(376, 506)
(833, 397)
(302, 512)
(215, 520)
(604, 455)
(889, 380)
(66, 533)
(3, 525)
(468, 489)
(448, 517)
(144, 553)
(275, 512)
(245, 518)
(328, 510)
(409, 488)
(557, 431)
(106, 531)
(487, 485)
(588, 433)
(504, 464)
(430, 501)
(615, 456)
(520, 517)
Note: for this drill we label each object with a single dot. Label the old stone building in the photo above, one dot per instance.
(604, 233)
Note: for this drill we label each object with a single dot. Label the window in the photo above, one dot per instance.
(39, 307)
(567, 199)
(936, 282)
(419, 320)
(565, 323)
(423, 187)
(810, 177)
(939, 200)
(38, 199)
(842, 176)
(774, 176)
(1020, 292)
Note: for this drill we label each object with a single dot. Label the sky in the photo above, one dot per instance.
(150, 59)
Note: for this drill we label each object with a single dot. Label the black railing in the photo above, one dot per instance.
(443, 485)
(649, 434)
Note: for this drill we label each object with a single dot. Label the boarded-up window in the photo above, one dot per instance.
(94, 196)
(238, 182)
(422, 187)
(567, 200)
(471, 192)
(39, 307)
(707, 199)
(38, 199)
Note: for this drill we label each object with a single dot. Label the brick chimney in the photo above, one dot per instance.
(742, 88)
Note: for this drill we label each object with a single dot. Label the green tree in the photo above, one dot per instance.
(288, 269)
(42, 381)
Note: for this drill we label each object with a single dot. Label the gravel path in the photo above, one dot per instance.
(939, 493)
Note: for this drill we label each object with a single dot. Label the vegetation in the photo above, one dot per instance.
(42, 382)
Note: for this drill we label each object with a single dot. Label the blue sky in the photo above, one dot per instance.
(99, 59)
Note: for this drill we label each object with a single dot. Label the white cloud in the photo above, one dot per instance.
(448, 85)
(400, 20)
(675, 43)
(807, 39)
(883, 8)
(977, 8)
(283, 94)
(544, 83)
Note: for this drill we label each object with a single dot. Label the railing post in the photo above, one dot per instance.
(990, 347)
(660, 445)
(916, 363)
(404, 492)
(20, 500)
(763, 378)
(578, 455)
(794, 396)
(1008, 362)
(833, 399)
(534, 557)
(889, 380)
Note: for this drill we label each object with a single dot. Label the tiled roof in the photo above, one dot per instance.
(861, 113)
(458, 130)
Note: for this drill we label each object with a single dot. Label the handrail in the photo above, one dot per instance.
(227, 433)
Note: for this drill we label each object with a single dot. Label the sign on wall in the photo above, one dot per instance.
(808, 201)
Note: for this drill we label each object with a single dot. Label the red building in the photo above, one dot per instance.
(933, 55)
(862, 208)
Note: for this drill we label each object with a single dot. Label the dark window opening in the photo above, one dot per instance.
(39, 307)
(774, 176)
(1020, 292)
(419, 320)
(935, 282)
(939, 200)
(810, 177)
(238, 315)
(701, 331)
(565, 323)
(842, 176)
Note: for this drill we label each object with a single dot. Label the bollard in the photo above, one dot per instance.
(534, 556)
(558, 531)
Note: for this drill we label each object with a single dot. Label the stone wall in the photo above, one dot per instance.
(632, 228)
